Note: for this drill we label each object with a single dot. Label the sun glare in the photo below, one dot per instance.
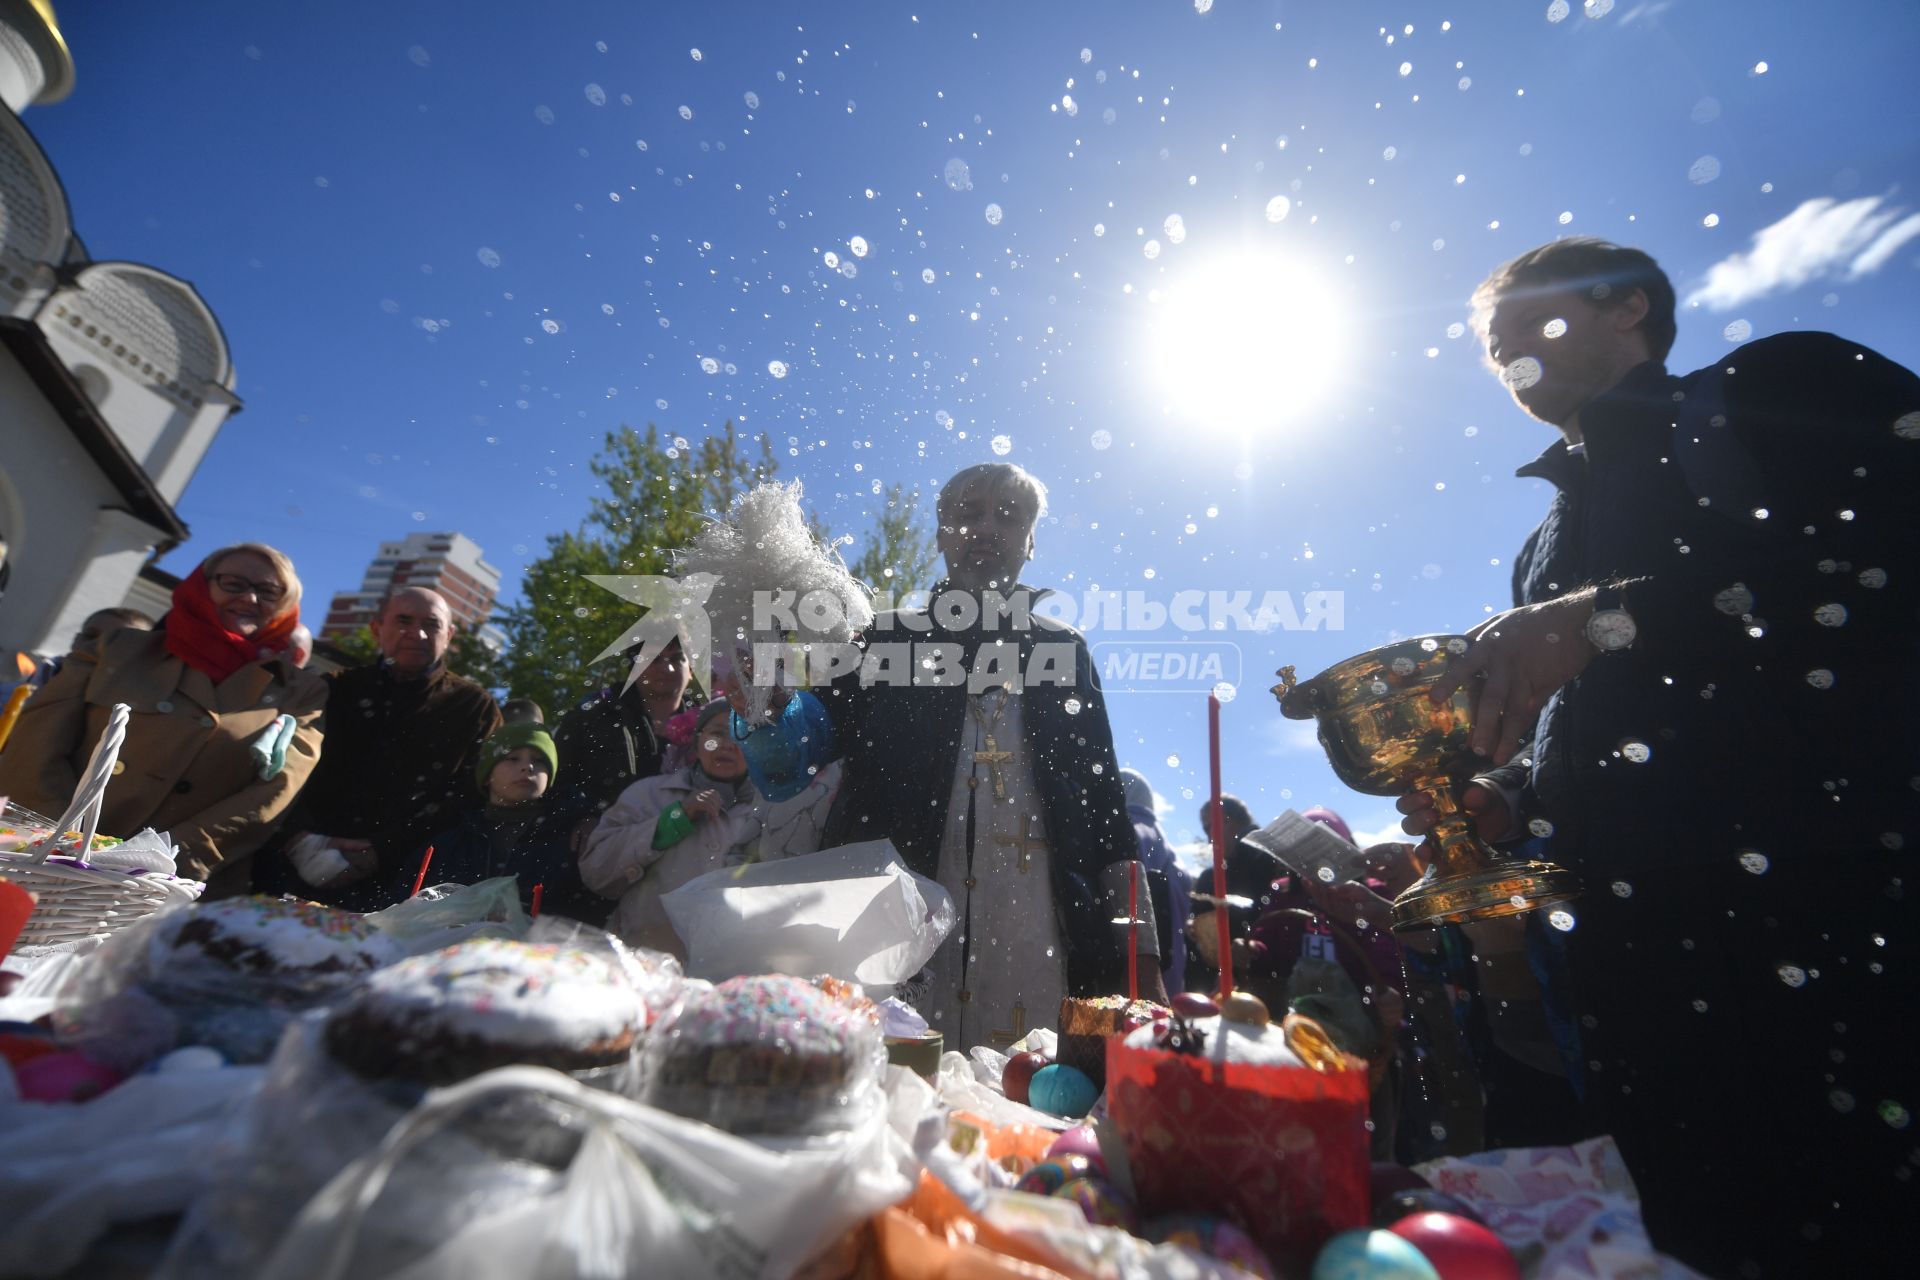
(1245, 342)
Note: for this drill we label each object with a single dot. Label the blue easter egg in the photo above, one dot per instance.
(1062, 1091)
(1371, 1255)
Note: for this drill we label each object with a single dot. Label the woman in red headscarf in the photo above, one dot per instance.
(208, 758)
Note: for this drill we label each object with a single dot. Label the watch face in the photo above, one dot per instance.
(1611, 629)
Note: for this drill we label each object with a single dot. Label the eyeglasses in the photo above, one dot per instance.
(235, 585)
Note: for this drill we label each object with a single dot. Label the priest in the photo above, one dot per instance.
(975, 737)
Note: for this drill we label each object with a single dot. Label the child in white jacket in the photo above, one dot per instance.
(667, 830)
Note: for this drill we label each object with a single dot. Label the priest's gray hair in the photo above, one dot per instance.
(995, 478)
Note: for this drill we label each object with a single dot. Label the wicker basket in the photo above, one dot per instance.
(78, 900)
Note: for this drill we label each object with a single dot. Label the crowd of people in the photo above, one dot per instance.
(1702, 702)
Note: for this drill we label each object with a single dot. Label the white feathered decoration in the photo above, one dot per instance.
(761, 547)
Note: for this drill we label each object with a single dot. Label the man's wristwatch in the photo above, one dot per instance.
(1611, 628)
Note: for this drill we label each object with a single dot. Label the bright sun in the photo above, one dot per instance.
(1244, 342)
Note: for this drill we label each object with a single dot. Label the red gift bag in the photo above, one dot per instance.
(1280, 1150)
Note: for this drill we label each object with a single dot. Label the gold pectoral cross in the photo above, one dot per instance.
(1024, 843)
(1019, 1026)
(993, 758)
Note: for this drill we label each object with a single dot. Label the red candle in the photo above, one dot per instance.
(539, 890)
(1219, 851)
(425, 859)
(1133, 931)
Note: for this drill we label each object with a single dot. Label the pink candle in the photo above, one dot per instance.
(1219, 851)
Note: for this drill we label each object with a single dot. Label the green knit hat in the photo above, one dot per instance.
(509, 738)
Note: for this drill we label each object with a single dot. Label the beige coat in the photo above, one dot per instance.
(185, 768)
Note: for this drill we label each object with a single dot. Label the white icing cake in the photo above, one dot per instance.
(261, 933)
(1224, 1041)
(509, 993)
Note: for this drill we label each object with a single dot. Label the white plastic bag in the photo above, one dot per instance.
(137, 1151)
(854, 912)
(645, 1193)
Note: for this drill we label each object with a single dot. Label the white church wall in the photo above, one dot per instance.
(68, 554)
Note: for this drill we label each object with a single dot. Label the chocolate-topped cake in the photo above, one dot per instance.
(440, 1018)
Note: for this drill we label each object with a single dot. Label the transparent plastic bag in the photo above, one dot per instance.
(642, 1193)
(767, 1054)
(444, 914)
(151, 987)
(314, 1116)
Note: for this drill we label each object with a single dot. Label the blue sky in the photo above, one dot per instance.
(454, 243)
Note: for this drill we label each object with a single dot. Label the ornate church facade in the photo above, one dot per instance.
(114, 380)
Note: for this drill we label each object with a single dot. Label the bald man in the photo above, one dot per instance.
(403, 739)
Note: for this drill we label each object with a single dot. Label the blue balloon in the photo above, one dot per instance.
(1062, 1091)
(1371, 1255)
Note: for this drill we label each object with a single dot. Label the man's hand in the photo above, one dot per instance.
(704, 805)
(1525, 654)
(1484, 807)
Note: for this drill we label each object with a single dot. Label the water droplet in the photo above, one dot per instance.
(753, 100)
(695, 54)
(1792, 974)
(1599, 8)
(778, 368)
(1101, 439)
(1280, 206)
(1406, 68)
(1086, 56)
(1839, 1099)
(1635, 751)
(1820, 678)
(1325, 874)
(1402, 666)
(1699, 1006)
(686, 113)
(709, 365)
(1225, 692)
(1175, 228)
(1894, 1114)
(859, 246)
(1831, 615)
(1098, 768)
(1202, 6)
(596, 95)
(1540, 827)
(1621, 889)
(1554, 328)
(1892, 840)
(1173, 762)
(543, 114)
(1734, 600)
(418, 56)
(1711, 220)
(1072, 706)
(1561, 919)
(994, 214)
(1521, 374)
(489, 257)
(1152, 249)
(1907, 426)
(1465, 83)
(1003, 445)
(1737, 331)
(1558, 11)
(551, 326)
(926, 275)
(1378, 688)
(1566, 216)
(1872, 579)
(1761, 68)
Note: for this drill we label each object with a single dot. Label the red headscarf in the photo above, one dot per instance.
(197, 637)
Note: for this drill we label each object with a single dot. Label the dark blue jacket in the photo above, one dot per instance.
(1740, 790)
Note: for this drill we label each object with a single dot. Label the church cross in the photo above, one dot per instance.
(993, 758)
(1024, 843)
(1019, 1026)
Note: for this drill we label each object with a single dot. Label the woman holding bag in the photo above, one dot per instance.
(225, 729)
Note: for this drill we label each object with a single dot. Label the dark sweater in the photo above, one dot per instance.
(397, 766)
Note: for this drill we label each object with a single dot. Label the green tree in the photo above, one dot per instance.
(469, 656)
(359, 647)
(656, 498)
(901, 554)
